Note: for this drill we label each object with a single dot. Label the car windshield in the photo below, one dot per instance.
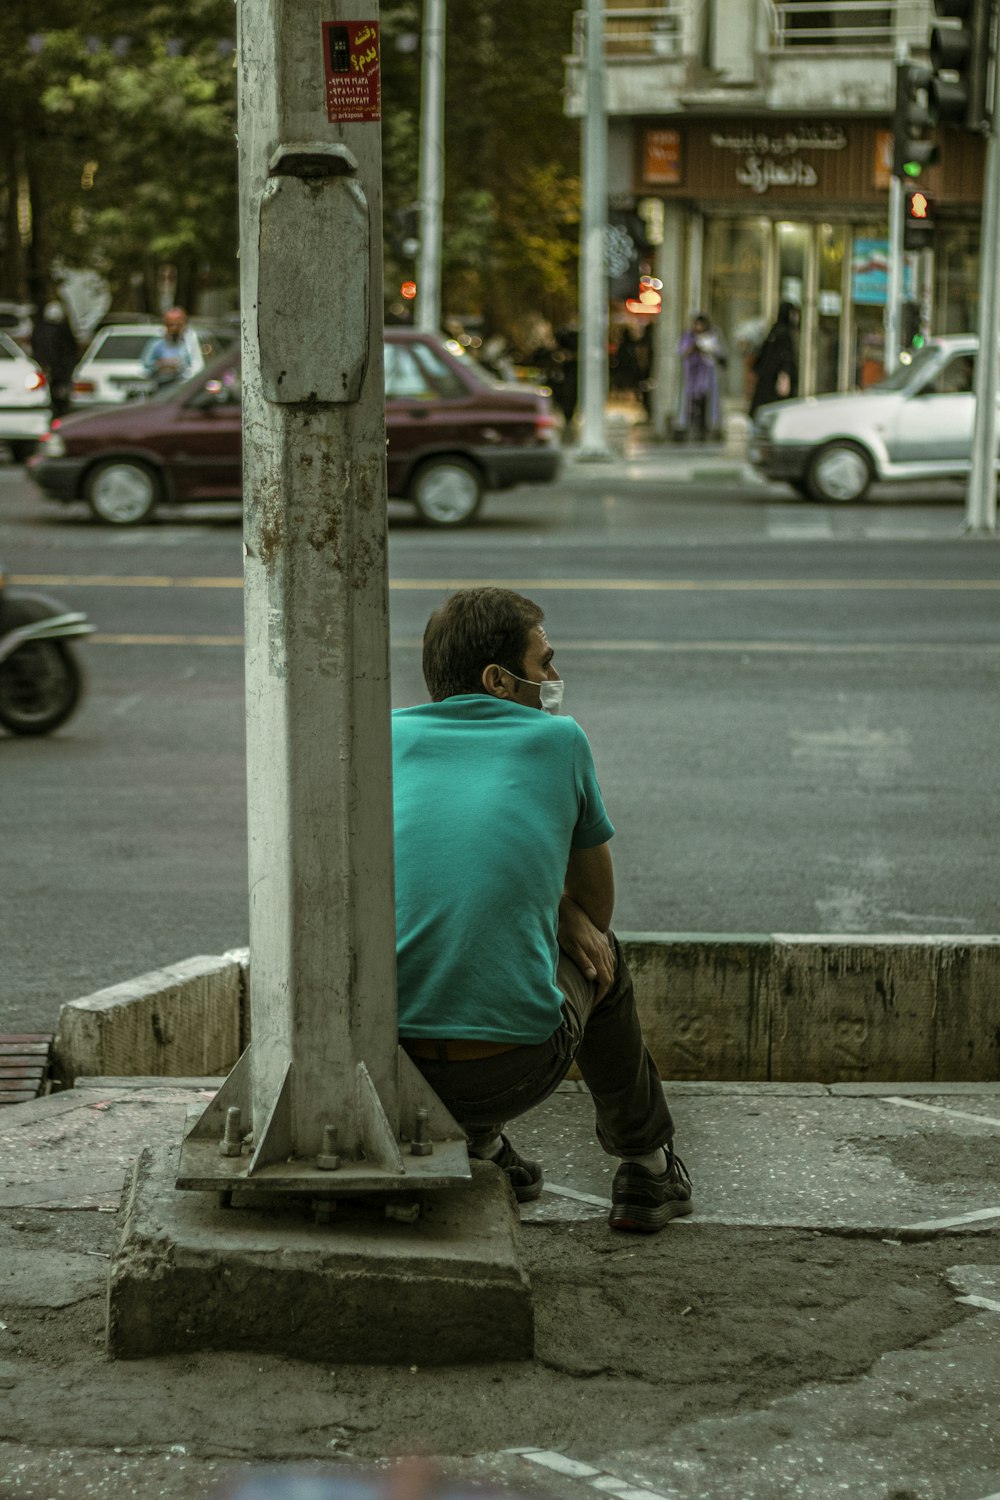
(122, 346)
(904, 374)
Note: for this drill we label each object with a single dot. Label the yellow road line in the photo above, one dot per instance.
(814, 648)
(582, 585)
(104, 639)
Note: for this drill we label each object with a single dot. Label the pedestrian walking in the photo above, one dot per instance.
(777, 364)
(54, 347)
(176, 354)
(702, 355)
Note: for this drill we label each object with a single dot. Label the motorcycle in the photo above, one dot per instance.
(41, 678)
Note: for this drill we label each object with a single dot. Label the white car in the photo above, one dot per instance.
(25, 405)
(112, 369)
(16, 321)
(914, 425)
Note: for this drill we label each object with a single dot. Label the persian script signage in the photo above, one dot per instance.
(788, 161)
(353, 71)
(763, 160)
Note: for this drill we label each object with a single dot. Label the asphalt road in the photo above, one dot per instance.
(793, 711)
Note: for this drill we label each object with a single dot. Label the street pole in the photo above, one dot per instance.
(431, 183)
(894, 289)
(323, 1090)
(894, 292)
(593, 272)
(981, 495)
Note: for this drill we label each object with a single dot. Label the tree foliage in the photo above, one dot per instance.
(511, 211)
(117, 150)
(119, 132)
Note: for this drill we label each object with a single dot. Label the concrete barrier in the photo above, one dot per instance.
(757, 1007)
(788, 1008)
(176, 1021)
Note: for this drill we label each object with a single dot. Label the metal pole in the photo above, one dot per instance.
(894, 291)
(981, 495)
(593, 272)
(323, 1087)
(431, 185)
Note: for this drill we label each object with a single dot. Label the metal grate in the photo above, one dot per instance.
(24, 1066)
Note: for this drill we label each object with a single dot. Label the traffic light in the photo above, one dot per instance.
(918, 219)
(913, 146)
(960, 63)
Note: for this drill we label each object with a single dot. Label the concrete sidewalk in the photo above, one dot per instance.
(827, 1323)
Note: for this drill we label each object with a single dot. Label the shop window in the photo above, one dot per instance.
(956, 277)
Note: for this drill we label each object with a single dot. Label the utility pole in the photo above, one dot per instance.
(593, 272)
(981, 495)
(894, 291)
(431, 185)
(323, 1103)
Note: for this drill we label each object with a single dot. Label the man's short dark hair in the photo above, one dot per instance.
(472, 629)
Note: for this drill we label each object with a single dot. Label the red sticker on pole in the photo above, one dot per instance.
(353, 71)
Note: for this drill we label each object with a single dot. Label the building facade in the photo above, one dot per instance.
(754, 138)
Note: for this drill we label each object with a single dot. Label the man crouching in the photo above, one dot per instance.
(508, 971)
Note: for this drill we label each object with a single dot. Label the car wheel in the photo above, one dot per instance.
(839, 474)
(122, 492)
(447, 491)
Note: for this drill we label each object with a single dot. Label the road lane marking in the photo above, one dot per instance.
(977, 1216)
(986, 1303)
(598, 1479)
(166, 640)
(568, 585)
(942, 1109)
(565, 1192)
(672, 648)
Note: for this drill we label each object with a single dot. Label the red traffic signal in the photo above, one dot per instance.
(918, 219)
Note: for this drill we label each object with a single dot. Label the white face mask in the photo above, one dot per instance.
(550, 691)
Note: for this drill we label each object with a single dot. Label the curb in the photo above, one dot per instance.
(847, 1009)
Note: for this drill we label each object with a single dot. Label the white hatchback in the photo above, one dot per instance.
(25, 406)
(112, 369)
(914, 425)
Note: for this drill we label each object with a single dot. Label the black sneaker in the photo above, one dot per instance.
(643, 1201)
(525, 1177)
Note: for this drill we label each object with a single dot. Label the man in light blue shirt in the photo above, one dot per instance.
(507, 968)
(176, 354)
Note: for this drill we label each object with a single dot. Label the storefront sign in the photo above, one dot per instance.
(353, 71)
(768, 161)
(663, 157)
(784, 143)
(760, 161)
(884, 150)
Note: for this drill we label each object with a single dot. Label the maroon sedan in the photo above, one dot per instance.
(453, 433)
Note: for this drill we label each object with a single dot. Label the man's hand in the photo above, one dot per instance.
(586, 945)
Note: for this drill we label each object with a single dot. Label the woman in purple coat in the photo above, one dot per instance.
(701, 355)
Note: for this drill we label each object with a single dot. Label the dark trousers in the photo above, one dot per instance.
(605, 1041)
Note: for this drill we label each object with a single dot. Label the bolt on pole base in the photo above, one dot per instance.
(429, 1152)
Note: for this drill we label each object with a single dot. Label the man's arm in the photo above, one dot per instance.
(585, 912)
(590, 882)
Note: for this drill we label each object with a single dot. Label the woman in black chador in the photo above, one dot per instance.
(777, 363)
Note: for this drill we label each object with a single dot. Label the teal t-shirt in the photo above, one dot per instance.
(489, 799)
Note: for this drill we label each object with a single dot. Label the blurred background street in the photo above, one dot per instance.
(793, 712)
